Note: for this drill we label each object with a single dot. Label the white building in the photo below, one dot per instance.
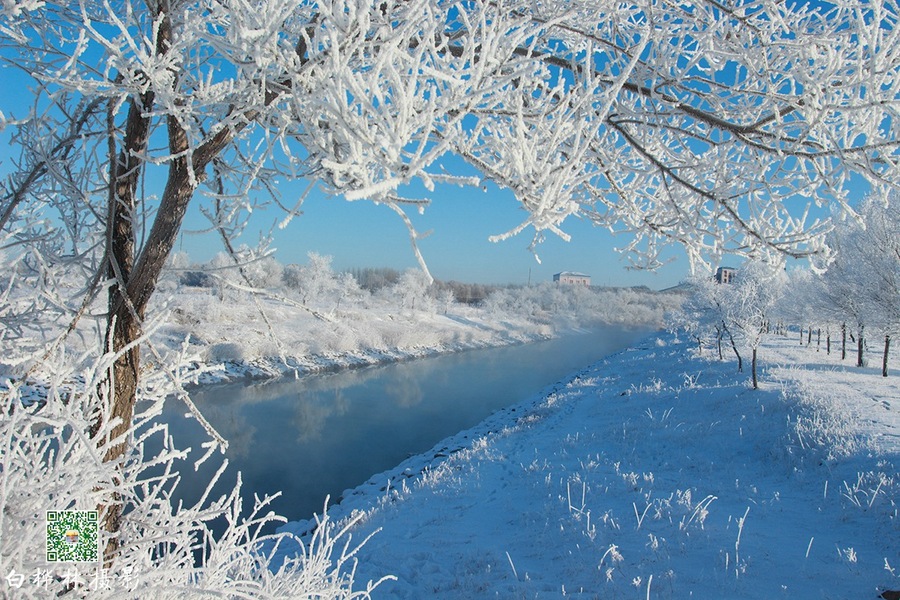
(572, 278)
(725, 274)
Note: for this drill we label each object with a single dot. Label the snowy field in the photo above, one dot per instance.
(655, 473)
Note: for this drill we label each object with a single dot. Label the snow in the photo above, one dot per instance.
(231, 341)
(234, 335)
(655, 473)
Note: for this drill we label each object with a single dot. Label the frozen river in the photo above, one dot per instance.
(323, 434)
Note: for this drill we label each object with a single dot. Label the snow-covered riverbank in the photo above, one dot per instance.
(236, 335)
(310, 346)
(654, 473)
(231, 335)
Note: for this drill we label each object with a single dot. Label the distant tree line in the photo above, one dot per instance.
(373, 279)
(318, 287)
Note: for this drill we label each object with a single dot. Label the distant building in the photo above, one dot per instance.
(725, 274)
(572, 278)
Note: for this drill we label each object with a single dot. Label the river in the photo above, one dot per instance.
(322, 434)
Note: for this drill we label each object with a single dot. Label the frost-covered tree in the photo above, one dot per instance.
(697, 315)
(373, 279)
(314, 280)
(844, 288)
(805, 303)
(412, 291)
(518, 301)
(264, 272)
(580, 305)
(863, 280)
(750, 302)
(740, 311)
(881, 215)
(700, 123)
(801, 303)
(348, 289)
(705, 312)
(241, 267)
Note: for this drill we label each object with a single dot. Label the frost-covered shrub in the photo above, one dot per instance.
(548, 301)
(50, 462)
(412, 291)
(265, 272)
(315, 281)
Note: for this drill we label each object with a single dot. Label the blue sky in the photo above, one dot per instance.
(461, 219)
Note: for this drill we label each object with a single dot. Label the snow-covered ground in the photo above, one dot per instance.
(655, 473)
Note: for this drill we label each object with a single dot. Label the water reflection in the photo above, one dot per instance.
(313, 409)
(405, 393)
(322, 434)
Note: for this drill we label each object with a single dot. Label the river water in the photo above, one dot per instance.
(322, 434)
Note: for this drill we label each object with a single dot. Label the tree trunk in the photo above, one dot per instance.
(119, 387)
(135, 274)
(828, 341)
(843, 341)
(859, 347)
(135, 277)
(734, 347)
(753, 369)
(801, 335)
(809, 336)
(884, 359)
(120, 393)
(127, 306)
(818, 338)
